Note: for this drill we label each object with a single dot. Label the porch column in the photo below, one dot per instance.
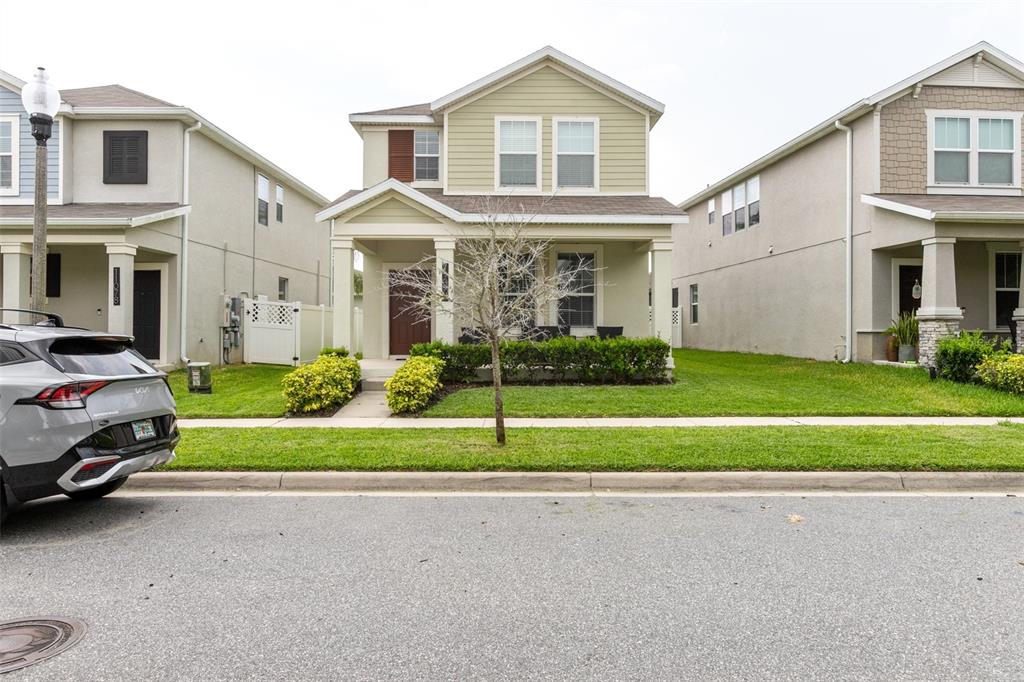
(121, 288)
(939, 315)
(1018, 313)
(17, 259)
(661, 291)
(444, 259)
(341, 250)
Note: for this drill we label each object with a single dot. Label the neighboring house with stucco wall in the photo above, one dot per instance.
(546, 138)
(138, 190)
(936, 215)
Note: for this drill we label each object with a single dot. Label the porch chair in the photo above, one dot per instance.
(470, 336)
(609, 332)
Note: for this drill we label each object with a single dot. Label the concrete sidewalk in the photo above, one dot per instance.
(362, 422)
(582, 481)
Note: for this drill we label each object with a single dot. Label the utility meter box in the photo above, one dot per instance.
(200, 378)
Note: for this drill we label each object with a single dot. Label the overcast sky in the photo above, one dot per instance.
(738, 79)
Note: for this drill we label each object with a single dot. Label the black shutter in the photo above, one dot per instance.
(53, 275)
(125, 157)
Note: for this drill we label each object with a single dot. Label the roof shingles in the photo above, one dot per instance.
(956, 203)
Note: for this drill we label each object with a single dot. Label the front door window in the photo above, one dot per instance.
(909, 277)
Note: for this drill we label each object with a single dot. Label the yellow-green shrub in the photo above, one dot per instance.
(414, 384)
(330, 381)
(1004, 371)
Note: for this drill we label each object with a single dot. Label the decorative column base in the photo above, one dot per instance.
(1019, 319)
(930, 331)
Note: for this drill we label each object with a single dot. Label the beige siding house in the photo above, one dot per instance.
(547, 137)
(909, 200)
(155, 216)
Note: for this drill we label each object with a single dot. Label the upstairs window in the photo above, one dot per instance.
(979, 150)
(727, 212)
(280, 204)
(741, 206)
(575, 153)
(518, 153)
(125, 157)
(754, 201)
(711, 211)
(427, 151)
(9, 135)
(262, 200)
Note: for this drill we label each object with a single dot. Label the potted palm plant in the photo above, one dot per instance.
(892, 344)
(905, 330)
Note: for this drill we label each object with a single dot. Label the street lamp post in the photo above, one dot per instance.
(41, 100)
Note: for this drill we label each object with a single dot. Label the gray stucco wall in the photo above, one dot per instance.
(10, 103)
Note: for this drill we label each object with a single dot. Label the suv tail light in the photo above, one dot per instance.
(64, 396)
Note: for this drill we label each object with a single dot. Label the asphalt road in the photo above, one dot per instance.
(551, 587)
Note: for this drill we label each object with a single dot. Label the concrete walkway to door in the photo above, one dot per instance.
(369, 403)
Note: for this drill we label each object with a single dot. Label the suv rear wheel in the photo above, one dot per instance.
(99, 491)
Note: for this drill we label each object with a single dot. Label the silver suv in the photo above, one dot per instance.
(79, 412)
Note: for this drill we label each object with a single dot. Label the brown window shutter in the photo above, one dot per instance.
(400, 155)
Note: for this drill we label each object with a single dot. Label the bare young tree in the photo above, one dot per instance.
(497, 282)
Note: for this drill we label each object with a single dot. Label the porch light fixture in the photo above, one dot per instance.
(41, 100)
(916, 291)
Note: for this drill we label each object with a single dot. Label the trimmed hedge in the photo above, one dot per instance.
(1004, 371)
(328, 382)
(957, 357)
(339, 351)
(413, 384)
(592, 361)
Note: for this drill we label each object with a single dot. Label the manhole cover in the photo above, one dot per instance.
(24, 642)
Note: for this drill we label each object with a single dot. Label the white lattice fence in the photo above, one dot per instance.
(677, 327)
(271, 332)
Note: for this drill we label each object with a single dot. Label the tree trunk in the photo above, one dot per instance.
(499, 403)
(38, 281)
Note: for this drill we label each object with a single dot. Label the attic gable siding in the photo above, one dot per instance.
(10, 103)
(903, 130)
(546, 92)
(391, 211)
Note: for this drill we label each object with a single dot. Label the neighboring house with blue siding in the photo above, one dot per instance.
(142, 192)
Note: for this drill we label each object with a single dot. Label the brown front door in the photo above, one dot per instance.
(909, 275)
(404, 329)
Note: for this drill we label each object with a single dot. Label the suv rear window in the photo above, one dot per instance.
(10, 355)
(102, 357)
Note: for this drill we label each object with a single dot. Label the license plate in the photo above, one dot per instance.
(143, 430)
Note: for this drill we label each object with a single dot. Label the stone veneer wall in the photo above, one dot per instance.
(903, 130)
(930, 331)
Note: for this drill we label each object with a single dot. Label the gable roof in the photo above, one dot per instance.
(573, 209)
(110, 96)
(429, 112)
(953, 208)
(989, 53)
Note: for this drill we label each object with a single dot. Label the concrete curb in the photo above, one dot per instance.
(566, 481)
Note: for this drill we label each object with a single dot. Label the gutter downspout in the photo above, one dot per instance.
(848, 355)
(183, 256)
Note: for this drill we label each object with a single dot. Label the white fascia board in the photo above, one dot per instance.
(980, 216)
(11, 81)
(211, 131)
(549, 52)
(380, 188)
(399, 119)
(160, 215)
(84, 222)
(579, 219)
(824, 128)
(897, 207)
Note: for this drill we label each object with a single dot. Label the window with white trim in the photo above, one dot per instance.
(518, 153)
(974, 149)
(280, 203)
(262, 200)
(1007, 286)
(575, 153)
(9, 137)
(711, 211)
(694, 304)
(282, 288)
(577, 310)
(517, 278)
(754, 201)
(427, 155)
(741, 206)
(727, 212)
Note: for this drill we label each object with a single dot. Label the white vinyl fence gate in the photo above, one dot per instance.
(282, 333)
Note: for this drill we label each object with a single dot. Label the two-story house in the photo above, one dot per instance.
(155, 215)
(565, 144)
(908, 200)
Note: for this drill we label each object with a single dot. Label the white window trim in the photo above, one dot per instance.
(711, 211)
(260, 175)
(691, 304)
(552, 308)
(287, 286)
(731, 191)
(993, 249)
(442, 140)
(278, 199)
(972, 186)
(517, 189)
(555, 120)
(15, 188)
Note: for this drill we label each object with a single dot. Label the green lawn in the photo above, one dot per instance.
(981, 448)
(738, 384)
(238, 391)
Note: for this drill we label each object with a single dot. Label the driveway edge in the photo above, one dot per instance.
(566, 481)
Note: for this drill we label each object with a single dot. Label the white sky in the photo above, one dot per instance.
(738, 79)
